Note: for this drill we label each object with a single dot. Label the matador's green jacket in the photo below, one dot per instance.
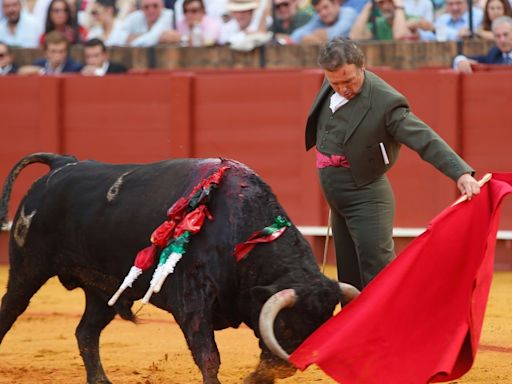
(380, 114)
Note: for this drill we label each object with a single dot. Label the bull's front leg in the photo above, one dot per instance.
(192, 310)
(97, 315)
(198, 330)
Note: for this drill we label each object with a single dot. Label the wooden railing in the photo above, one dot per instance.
(397, 55)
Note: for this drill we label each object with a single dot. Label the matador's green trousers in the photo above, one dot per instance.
(362, 223)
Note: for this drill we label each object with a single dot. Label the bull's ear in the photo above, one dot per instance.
(261, 294)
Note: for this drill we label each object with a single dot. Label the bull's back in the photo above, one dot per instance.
(88, 204)
(110, 210)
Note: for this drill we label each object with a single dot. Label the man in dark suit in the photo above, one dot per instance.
(358, 123)
(7, 65)
(56, 60)
(97, 61)
(500, 53)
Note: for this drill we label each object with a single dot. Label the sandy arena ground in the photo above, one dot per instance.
(41, 347)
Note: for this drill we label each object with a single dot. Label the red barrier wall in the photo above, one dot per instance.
(420, 190)
(254, 116)
(127, 119)
(486, 99)
(258, 120)
(30, 122)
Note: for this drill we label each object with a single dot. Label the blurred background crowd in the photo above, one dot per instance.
(55, 25)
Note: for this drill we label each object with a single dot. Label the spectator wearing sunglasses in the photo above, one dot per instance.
(107, 28)
(288, 17)
(213, 8)
(198, 21)
(7, 65)
(61, 18)
(146, 26)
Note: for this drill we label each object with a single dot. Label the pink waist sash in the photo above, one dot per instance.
(323, 161)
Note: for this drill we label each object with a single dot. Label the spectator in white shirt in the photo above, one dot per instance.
(125, 7)
(422, 9)
(107, 27)
(247, 27)
(454, 23)
(40, 10)
(18, 28)
(146, 27)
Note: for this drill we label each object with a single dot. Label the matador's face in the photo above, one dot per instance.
(346, 80)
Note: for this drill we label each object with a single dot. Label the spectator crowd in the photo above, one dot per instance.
(55, 25)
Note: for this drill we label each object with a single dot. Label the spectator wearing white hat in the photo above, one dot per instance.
(248, 25)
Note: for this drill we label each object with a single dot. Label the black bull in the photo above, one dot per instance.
(85, 221)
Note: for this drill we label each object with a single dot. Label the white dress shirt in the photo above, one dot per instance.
(135, 23)
(117, 37)
(337, 101)
(230, 32)
(26, 34)
(102, 71)
(5, 70)
(420, 8)
(40, 10)
(507, 58)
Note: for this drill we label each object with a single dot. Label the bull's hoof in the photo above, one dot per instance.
(102, 380)
(255, 378)
(211, 380)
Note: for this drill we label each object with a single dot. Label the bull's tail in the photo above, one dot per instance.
(51, 159)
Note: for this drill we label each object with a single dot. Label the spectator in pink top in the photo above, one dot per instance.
(197, 28)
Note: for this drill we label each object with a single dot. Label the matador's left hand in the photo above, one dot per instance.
(468, 185)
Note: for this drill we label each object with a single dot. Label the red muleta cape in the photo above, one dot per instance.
(420, 319)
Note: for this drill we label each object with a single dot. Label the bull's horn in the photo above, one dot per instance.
(348, 293)
(282, 299)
